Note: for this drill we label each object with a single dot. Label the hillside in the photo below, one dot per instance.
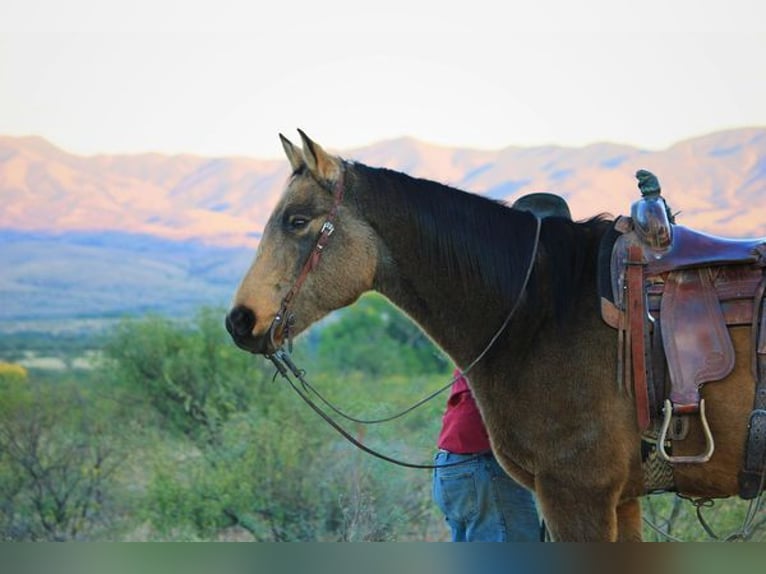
(103, 236)
(63, 281)
(713, 180)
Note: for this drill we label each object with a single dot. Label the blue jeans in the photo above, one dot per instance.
(482, 503)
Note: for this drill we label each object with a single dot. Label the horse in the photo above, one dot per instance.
(507, 295)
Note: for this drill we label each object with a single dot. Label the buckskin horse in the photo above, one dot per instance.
(514, 300)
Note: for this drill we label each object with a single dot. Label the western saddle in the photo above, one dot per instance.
(672, 293)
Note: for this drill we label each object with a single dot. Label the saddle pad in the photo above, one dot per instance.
(695, 337)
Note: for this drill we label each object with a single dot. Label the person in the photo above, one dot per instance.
(480, 502)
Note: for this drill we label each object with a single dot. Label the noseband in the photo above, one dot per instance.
(284, 319)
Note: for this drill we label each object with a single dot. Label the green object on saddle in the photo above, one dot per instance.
(648, 183)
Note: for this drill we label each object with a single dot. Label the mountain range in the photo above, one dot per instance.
(108, 235)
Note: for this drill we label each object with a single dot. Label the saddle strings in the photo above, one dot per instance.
(743, 533)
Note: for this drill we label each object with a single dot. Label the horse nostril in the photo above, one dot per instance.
(240, 322)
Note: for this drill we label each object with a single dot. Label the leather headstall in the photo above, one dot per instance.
(284, 319)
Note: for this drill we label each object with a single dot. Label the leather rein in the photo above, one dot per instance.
(284, 319)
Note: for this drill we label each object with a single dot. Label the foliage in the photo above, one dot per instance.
(374, 337)
(56, 463)
(257, 460)
(669, 517)
(280, 484)
(191, 377)
(14, 346)
(12, 374)
(178, 435)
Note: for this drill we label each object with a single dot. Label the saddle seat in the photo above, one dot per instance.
(690, 248)
(734, 265)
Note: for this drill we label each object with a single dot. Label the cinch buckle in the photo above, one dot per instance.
(704, 457)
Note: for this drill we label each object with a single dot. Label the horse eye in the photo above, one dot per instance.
(297, 222)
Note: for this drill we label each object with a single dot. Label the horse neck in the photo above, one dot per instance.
(453, 261)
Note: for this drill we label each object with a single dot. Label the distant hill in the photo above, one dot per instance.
(62, 281)
(94, 236)
(713, 180)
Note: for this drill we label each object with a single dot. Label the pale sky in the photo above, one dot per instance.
(224, 77)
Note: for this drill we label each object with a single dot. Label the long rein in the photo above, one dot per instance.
(286, 367)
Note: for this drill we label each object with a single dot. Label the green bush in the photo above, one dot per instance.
(179, 435)
(57, 461)
(375, 338)
(190, 375)
(259, 460)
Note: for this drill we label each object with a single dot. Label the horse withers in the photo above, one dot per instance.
(469, 270)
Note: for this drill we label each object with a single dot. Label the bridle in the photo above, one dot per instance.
(284, 319)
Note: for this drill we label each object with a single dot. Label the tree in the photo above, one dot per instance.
(250, 455)
(376, 338)
(56, 462)
(190, 375)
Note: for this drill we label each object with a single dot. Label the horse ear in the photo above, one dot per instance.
(321, 164)
(294, 155)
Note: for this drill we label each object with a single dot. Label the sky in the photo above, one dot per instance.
(224, 77)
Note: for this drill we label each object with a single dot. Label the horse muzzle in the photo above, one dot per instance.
(240, 322)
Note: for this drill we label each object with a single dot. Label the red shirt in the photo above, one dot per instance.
(462, 430)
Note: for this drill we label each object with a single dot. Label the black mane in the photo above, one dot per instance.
(465, 235)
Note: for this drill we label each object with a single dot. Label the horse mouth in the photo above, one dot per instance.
(255, 345)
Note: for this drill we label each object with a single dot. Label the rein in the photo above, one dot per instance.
(285, 367)
(285, 318)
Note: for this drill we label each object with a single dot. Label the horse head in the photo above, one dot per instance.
(286, 288)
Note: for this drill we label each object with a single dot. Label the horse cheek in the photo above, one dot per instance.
(350, 272)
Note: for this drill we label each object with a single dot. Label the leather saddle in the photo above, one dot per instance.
(672, 294)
